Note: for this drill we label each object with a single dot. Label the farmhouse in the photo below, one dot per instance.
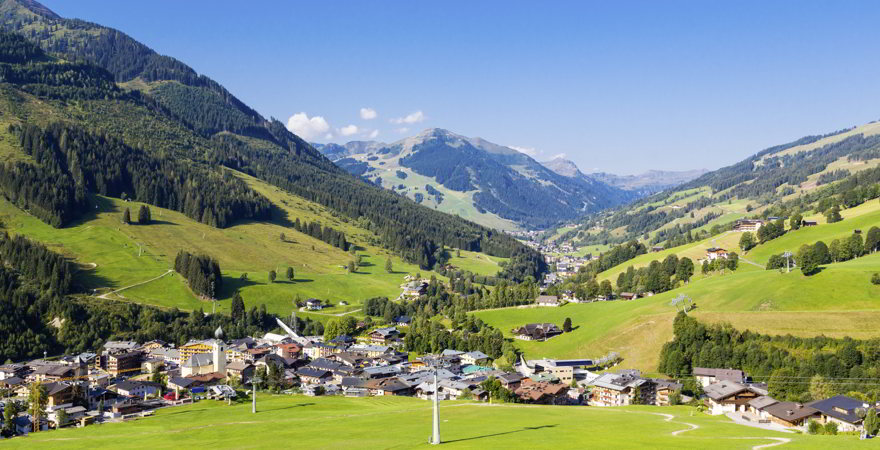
(728, 396)
(751, 225)
(384, 335)
(841, 410)
(716, 253)
(791, 414)
(809, 223)
(706, 376)
(547, 300)
(314, 304)
(617, 389)
(537, 331)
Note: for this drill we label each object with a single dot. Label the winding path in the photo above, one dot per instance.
(779, 441)
(303, 309)
(104, 296)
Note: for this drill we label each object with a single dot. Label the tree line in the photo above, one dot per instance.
(323, 233)
(84, 162)
(795, 368)
(201, 272)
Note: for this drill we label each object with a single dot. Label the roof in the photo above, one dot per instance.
(476, 355)
(724, 389)
(199, 360)
(790, 411)
(128, 385)
(238, 365)
(385, 332)
(55, 388)
(312, 373)
(182, 382)
(734, 375)
(450, 352)
(762, 402)
(547, 299)
(840, 407)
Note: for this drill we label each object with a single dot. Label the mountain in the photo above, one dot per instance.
(647, 183)
(809, 174)
(489, 183)
(134, 124)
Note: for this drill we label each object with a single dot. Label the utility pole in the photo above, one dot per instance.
(435, 437)
(787, 256)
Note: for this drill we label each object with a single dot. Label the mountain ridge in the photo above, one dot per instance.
(499, 181)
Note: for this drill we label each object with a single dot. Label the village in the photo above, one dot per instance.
(127, 380)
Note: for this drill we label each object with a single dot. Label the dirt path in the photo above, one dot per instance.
(303, 309)
(104, 296)
(779, 441)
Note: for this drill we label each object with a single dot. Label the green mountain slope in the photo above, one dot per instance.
(166, 107)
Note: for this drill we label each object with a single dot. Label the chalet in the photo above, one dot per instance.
(657, 248)
(271, 358)
(537, 331)
(791, 414)
(136, 388)
(384, 335)
(13, 370)
(319, 350)
(757, 406)
(343, 340)
(370, 351)
(750, 225)
(403, 321)
(809, 223)
(510, 381)
(542, 392)
(414, 289)
(716, 253)
(52, 372)
(474, 358)
(628, 296)
(58, 393)
(314, 304)
(728, 396)
(12, 383)
(706, 376)
(241, 370)
(388, 386)
(288, 350)
(547, 300)
(842, 410)
(313, 376)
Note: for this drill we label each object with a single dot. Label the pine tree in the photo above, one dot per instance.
(290, 273)
(566, 326)
(237, 310)
(388, 267)
(271, 276)
(126, 216)
(143, 215)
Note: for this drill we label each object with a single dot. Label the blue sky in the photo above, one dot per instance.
(615, 86)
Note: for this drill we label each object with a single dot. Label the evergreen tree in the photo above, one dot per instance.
(566, 326)
(290, 274)
(144, 215)
(237, 308)
(37, 399)
(872, 240)
(388, 267)
(795, 221)
(126, 216)
(271, 276)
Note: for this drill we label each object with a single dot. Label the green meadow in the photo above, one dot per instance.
(400, 422)
(839, 301)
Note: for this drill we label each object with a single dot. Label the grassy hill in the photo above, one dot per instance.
(839, 301)
(334, 422)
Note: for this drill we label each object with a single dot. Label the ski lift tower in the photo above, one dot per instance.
(787, 256)
(254, 382)
(435, 436)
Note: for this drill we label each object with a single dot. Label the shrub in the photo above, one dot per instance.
(813, 427)
(876, 278)
(831, 428)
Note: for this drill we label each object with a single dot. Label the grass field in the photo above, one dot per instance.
(839, 301)
(399, 422)
(114, 256)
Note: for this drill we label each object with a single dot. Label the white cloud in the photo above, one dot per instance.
(307, 128)
(531, 151)
(559, 156)
(348, 130)
(402, 130)
(368, 113)
(328, 136)
(415, 117)
(373, 134)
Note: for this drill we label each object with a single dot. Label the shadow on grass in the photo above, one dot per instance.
(502, 433)
(231, 285)
(298, 405)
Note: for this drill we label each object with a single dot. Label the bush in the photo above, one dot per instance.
(876, 278)
(813, 427)
(831, 428)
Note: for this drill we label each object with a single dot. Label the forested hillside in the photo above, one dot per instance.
(196, 126)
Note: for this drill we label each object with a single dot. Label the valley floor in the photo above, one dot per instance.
(397, 422)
